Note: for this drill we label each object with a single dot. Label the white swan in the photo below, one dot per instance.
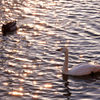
(80, 69)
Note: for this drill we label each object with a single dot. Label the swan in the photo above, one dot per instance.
(9, 28)
(80, 69)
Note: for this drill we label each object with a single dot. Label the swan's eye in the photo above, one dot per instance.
(59, 49)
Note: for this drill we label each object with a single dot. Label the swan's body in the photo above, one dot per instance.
(9, 28)
(80, 69)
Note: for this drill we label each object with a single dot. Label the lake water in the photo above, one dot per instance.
(30, 66)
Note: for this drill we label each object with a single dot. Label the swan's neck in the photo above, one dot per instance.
(65, 67)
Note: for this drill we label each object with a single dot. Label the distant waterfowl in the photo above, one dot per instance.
(9, 28)
(80, 69)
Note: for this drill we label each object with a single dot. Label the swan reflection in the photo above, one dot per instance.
(74, 83)
(68, 93)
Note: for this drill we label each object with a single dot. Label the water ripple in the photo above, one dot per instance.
(30, 66)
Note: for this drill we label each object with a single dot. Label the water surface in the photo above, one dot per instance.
(30, 66)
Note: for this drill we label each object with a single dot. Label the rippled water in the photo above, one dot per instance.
(30, 66)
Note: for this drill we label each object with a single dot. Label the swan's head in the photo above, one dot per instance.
(64, 50)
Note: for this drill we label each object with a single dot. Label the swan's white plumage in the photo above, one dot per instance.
(80, 69)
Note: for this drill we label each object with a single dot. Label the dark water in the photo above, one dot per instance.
(30, 66)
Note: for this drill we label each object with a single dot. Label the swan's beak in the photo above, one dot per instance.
(58, 50)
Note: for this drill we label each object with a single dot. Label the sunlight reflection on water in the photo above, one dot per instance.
(30, 66)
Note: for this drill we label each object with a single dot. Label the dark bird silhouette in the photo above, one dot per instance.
(9, 28)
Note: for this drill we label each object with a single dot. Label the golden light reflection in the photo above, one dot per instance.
(40, 73)
(34, 66)
(9, 50)
(27, 93)
(81, 55)
(39, 27)
(26, 10)
(40, 87)
(42, 42)
(20, 52)
(16, 74)
(59, 75)
(9, 71)
(28, 71)
(48, 67)
(24, 66)
(12, 64)
(52, 3)
(39, 60)
(48, 85)
(77, 23)
(30, 25)
(14, 50)
(5, 83)
(37, 91)
(37, 19)
(43, 22)
(34, 82)
(44, 53)
(68, 23)
(25, 74)
(52, 61)
(7, 10)
(92, 62)
(21, 80)
(58, 41)
(57, 67)
(51, 33)
(84, 28)
(57, 35)
(20, 89)
(67, 43)
(56, 45)
(60, 71)
(21, 33)
(56, 92)
(35, 96)
(16, 93)
(22, 59)
(36, 34)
